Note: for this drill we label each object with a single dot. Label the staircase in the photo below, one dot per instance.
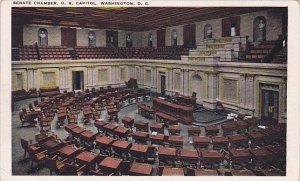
(15, 54)
(73, 53)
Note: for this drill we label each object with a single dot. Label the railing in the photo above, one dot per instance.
(277, 48)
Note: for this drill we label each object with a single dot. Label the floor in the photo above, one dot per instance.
(22, 167)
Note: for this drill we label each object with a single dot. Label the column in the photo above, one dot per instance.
(30, 78)
(212, 90)
(90, 76)
(185, 86)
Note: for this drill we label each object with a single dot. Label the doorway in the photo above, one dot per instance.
(189, 35)
(163, 85)
(161, 37)
(112, 37)
(78, 82)
(269, 107)
(68, 37)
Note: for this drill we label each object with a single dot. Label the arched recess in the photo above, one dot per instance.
(197, 86)
(259, 29)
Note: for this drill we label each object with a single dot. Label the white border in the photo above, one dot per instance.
(292, 90)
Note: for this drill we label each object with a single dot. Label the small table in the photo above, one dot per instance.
(86, 158)
(240, 155)
(166, 154)
(113, 113)
(52, 145)
(212, 130)
(189, 156)
(139, 151)
(99, 123)
(157, 139)
(157, 127)
(219, 142)
(121, 146)
(228, 128)
(238, 140)
(211, 156)
(176, 141)
(256, 137)
(194, 130)
(174, 130)
(140, 136)
(104, 142)
(201, 141)
(172, 171)
(109, 128)
(141, 169)
(141, 125)
(121, 132)
(110, 165)
(88, 136)
(128, 121)
(77, 131)
(68, 151)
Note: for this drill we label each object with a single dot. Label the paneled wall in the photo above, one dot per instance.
(236, 85)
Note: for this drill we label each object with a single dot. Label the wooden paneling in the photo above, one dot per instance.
(189, 35)
(161, 38)
(68, 37)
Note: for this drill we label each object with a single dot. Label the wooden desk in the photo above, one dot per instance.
(68, 151)
(278, 151)
(212, 130)
(121, 132)
(219, 142)
(174, 130)
(172, 171)
(251, 121)
(113, 113)
(42, 138)
(99, 124)
(194, 130)
(211, 156)
(145, 110)
(241, 125)
(188, 155)
(165, 154)
(228, 128)
(256, 137)
(104, 142)
(183, 113)
(262, 155)
(176, 141)
(141, 125)
(109, 128)
(88, 136)
(240, 155)
(139, 151)
(69, 127)
(77, 131)
(165, 118)
(158, 139)
(238, 140)
(201, 141)
(157, 127)
(52, 145)
(121, 146)
(140, 136)
(188, 100)
(128, 121)
(110, 165)
(140, 169)
(204, 172)
(86, 158)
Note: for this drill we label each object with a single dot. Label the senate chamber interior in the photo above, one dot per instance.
(152, 91)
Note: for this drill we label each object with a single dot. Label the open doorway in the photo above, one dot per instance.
(78, 83)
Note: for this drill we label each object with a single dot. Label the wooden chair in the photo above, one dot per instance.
(36, 157)
(26, 146)
(124, 167)
(151, 154)
(54, 165)
(190, 171)
(71, 169)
